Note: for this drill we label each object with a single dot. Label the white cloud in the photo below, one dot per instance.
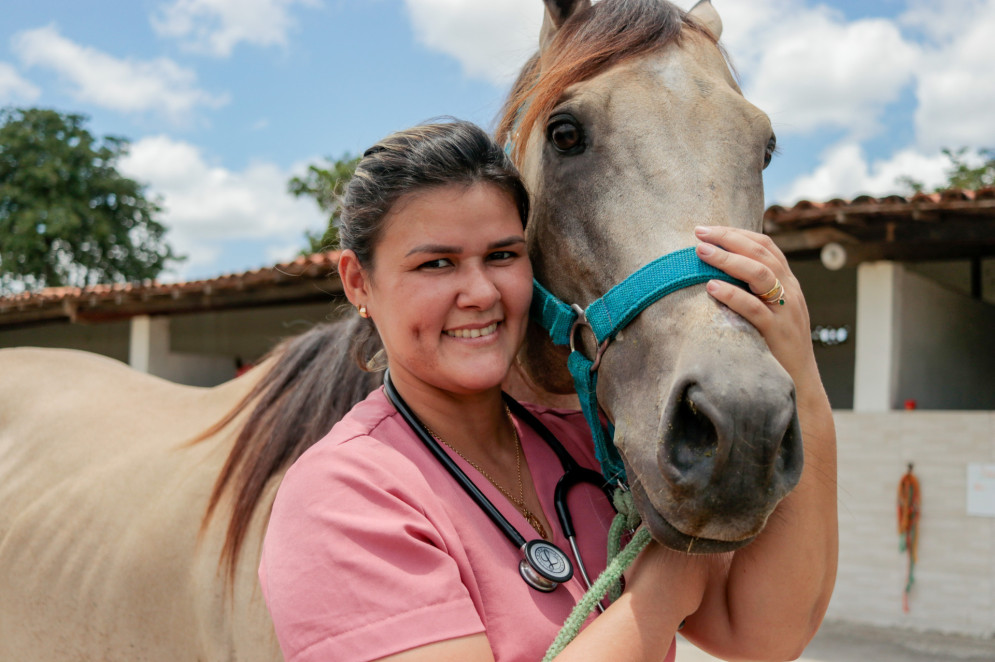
(285, 252)
(491, 40)
(126, 85)
(845, 172)
(215, 27)
(207, 205)
(805, 65)
(13, 87)
(954, 87)
(811, 69)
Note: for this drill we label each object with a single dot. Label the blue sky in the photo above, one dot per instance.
(224, 100)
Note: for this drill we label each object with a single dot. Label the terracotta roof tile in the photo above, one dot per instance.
(954, 224)
(53, 302)
(808, 212)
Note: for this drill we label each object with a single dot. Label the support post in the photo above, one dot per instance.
(148, 347)
(876, 369)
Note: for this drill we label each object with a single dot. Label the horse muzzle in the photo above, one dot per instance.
(727, 449)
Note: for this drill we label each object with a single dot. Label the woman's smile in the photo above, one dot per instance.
(473, 332)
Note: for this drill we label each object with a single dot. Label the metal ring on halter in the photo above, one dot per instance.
(580, 321)
(774, 295)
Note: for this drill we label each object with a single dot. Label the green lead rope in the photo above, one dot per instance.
(608, 582)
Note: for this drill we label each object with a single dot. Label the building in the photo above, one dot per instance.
(902, 300)
(199, 333)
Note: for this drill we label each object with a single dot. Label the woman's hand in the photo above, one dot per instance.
(756, 260)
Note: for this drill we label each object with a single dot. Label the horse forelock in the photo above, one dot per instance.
(605, 35)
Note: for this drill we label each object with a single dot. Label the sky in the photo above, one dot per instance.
(223, 101)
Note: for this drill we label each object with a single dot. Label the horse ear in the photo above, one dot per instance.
(705, 14)
(557, 13)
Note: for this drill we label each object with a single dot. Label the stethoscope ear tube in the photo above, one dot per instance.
(471, 489)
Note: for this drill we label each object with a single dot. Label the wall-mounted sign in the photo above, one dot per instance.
(981, 489)
(827, 336)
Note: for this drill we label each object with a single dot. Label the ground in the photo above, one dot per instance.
(837, 642)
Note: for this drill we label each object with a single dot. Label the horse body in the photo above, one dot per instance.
(102, 553)
(101, 502)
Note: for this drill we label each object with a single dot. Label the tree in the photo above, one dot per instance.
(67, 216)
(960, 175)
(325, 184)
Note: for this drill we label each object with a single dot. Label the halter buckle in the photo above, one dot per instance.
(581, 321)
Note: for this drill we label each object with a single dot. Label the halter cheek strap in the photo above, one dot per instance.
(605, 317)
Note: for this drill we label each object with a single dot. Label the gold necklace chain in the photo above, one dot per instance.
(520, 501)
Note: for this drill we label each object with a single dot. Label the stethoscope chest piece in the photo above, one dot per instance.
(545, 565)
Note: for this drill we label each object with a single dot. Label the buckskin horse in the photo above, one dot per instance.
(127, 532)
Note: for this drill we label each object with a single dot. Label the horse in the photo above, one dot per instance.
(132, 509)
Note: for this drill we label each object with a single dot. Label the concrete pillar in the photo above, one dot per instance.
(148, 347)
(876, 370)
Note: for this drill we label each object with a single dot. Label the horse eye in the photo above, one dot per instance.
(565, 134)
(769, 152)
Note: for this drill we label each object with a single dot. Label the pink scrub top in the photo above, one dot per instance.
(373, 548)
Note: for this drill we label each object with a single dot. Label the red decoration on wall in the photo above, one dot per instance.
(909, 505)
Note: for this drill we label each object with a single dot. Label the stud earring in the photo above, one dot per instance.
(362, 312)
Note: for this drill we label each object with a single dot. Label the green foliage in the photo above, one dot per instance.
(325, 183)
(960, 174)
(67, 217)
(964, 176)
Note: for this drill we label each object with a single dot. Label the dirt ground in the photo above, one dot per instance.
(837, 642)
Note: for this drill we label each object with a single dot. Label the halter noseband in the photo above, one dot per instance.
(605, 317)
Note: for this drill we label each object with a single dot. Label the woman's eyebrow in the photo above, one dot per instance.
(507, 241)
(444, 249)
(434, 248)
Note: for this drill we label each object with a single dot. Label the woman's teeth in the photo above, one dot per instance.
(473, 333)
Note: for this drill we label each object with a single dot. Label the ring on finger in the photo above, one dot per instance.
(773, 296)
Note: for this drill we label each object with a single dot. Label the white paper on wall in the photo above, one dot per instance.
(981, 489)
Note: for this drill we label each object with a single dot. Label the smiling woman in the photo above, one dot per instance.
(451, 287)
(434, 259)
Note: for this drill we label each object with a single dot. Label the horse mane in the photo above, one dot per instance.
(310, 382)
(591, 41)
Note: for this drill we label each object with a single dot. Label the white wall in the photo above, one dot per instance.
(955, 577)
(946, 347)
(919, 340)
(150, 351)
(107, 338)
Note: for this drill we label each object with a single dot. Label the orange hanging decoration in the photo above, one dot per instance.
(909, 504)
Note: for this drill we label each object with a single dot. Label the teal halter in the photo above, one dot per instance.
(607, 316)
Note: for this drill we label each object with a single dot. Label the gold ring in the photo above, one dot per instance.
(774, 295)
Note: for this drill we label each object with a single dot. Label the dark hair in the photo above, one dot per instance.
(416, 159)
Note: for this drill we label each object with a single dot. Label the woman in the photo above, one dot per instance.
(374, 552)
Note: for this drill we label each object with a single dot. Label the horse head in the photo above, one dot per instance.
(630, 130)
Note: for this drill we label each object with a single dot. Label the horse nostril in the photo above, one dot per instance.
(691, 442)
(790, 456)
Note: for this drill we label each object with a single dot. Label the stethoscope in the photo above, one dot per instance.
(544, 566)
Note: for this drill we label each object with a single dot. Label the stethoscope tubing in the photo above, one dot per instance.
(458, 474)
(573, 474)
